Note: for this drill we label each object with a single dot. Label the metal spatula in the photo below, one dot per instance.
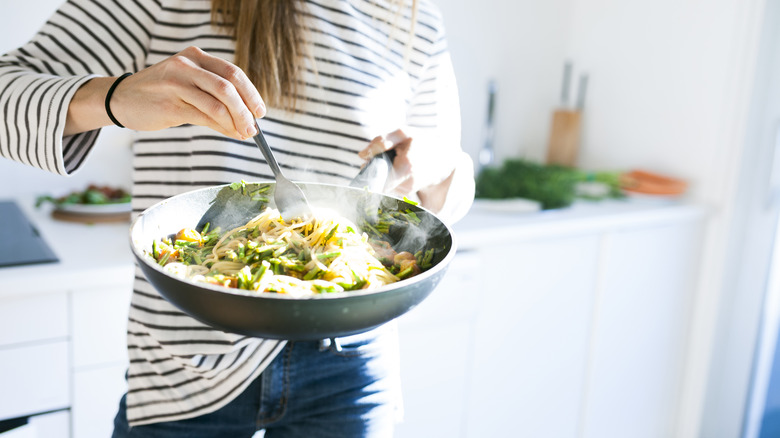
(289, 198)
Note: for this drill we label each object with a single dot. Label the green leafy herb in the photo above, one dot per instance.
(553, 186)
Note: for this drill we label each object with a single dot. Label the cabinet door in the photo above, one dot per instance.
(436, 340)
(531, 338)
(34, 318)
(34, 379)
(649, 276)
(100, 357)
(96, 395)
(54, 425)
(100, 325)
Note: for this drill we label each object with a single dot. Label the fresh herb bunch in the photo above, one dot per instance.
(552, 185)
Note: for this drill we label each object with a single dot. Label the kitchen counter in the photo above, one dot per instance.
(483, 226)
(89, 255)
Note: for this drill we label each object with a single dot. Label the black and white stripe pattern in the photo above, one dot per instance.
(360, 85)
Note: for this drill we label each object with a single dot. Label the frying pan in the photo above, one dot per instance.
(279, 316)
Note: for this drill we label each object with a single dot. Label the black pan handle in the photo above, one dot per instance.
(375, 173)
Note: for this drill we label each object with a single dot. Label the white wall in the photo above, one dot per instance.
(110, 164)
(747, 292)
(659, 78)
(522, 44)
(669, 88)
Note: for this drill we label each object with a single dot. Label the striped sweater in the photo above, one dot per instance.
(363, 80)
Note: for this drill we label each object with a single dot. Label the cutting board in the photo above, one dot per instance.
(564, 141)
(566, 126)
(87, 218)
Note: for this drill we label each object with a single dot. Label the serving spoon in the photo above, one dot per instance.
(289, 198)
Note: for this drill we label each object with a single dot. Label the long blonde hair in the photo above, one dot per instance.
(269, 39)
(269, 46)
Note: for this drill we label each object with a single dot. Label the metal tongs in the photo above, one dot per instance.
(374, 175)
(289, 198)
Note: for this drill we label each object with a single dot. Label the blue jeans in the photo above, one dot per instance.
(317, 389)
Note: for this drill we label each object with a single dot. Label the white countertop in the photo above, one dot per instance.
(90, 256)
(99, 254)
(483, 226)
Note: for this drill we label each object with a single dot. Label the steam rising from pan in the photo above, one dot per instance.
(411, 238)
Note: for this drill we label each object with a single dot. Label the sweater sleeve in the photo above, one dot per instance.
(82, 40)
(434, 123)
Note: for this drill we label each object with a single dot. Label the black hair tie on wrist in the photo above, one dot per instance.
(108, 99)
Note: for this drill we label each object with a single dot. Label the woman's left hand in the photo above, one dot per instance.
(401, 179)
(406, 165)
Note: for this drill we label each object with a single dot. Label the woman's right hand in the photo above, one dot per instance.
(189, 87)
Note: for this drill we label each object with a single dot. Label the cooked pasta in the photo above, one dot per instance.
(324, 253)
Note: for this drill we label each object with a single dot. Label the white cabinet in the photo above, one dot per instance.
(566, 325)
(531, 337)
(436, 339)
(34, 354)
(34, 379)
(64, 351)
(644, 308)
(34, 318)
(96, 395)
(507, 328)
(99, 357)
(100, 325)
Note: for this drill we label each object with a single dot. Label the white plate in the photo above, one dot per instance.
(511, 205)
(120, 207)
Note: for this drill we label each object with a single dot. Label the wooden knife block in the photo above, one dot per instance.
(564, 138)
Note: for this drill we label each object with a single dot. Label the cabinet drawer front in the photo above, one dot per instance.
(33, 318)
(453, 300)
(54, 425)
(34, 379)
(96, 395)
(100, 325)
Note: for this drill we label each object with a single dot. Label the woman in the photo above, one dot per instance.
(334, 82)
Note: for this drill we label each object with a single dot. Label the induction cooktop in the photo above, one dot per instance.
(20, 242)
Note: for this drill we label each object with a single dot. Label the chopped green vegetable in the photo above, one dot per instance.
(327, 255)
(325, 289)
(294, 252)
(241, 185)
